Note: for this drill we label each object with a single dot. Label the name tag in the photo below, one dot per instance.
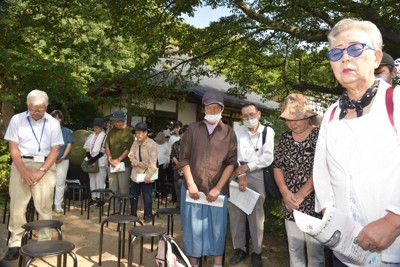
(38, 159)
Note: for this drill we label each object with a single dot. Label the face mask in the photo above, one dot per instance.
(213, 119)
(251, 123)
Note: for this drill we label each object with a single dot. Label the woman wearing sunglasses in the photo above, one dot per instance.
(357, 160)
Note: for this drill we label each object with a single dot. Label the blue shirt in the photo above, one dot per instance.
(68, 139)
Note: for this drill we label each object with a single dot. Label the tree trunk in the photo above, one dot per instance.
(7, 111)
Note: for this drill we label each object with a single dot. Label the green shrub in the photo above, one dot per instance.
(4, 168)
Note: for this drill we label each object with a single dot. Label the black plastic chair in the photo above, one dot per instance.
(103, 193)
(49, 248)
(142, 231)
(122, 221)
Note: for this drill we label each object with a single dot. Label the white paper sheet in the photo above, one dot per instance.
(140, 177)
(119, 168)
(203, 200)
(246, 200)
(337, 231)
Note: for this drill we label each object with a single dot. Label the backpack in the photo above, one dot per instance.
(389, 107)
(271, 189)
(169, 254)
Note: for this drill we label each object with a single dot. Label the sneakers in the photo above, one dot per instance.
(256, 260)
(59, 210)
(238, 256)
(12, 254)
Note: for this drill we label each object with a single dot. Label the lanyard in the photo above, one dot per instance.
(41, 135)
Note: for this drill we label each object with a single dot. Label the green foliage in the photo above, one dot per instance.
(277, 124)
(274, 220)
(4, 168)
(86, 53)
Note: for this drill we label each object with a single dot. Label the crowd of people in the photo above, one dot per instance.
(350, 162)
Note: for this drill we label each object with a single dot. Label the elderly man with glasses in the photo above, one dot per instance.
(34, 138)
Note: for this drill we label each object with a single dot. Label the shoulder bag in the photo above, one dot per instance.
(271, 189)
(94, 167)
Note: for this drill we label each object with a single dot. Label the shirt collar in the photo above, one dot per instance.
(45, 116)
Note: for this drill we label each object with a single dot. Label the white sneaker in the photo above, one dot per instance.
(59, 210)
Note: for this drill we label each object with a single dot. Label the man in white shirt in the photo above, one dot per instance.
(253, 156)
(34, 138)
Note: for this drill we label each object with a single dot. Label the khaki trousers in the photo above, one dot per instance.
(256, 219)
(21, 193)
(119, 182)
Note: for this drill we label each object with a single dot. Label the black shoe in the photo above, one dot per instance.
(12, 254)
(92, 202)
(256, 260)
(238, 256)
(100, 203)
(148, 219)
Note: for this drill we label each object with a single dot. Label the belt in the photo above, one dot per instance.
(30, 157)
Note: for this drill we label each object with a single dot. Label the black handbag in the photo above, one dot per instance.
(271, 189)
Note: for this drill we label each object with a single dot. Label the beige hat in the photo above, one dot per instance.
(160, 137)
(297, 108)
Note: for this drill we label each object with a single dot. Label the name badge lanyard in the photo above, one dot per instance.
(34, 134)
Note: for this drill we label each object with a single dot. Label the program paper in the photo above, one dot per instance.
(203, 200)
(337, 231)
(246, 200)
(119, 168)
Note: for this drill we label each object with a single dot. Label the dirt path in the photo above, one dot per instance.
(85, 234)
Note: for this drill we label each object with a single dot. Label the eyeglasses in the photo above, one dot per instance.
(37, 110)
(354, 50)
(249, 116)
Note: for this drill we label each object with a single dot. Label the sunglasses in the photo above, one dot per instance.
(354, 50)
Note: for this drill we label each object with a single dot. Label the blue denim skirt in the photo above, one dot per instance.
(203, 228)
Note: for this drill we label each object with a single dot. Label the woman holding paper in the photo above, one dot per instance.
(357, 161)
(207, 157)
(293, 165)
(143, 156)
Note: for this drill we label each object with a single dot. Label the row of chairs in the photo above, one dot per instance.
(63, 248)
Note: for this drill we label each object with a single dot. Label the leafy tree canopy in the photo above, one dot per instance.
(84, 53)
(274, 47)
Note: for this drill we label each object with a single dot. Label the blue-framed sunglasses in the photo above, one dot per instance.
(354, 50)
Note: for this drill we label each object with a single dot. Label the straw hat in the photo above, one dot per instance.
(297, 108)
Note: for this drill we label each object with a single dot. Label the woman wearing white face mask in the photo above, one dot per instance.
(208, 153)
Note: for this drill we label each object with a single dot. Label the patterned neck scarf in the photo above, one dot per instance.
(345, 103)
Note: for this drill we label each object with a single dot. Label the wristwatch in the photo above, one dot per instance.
(42, 169)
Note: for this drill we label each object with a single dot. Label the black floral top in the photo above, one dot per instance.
(296, 160)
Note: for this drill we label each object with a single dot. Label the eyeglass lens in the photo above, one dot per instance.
(353, 50)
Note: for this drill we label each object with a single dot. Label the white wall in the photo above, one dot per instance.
(187, 114)
(169, 106)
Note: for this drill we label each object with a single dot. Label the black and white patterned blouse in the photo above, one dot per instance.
(296, 159)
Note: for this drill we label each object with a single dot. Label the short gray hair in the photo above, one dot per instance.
(37, 97)
(367, 26)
